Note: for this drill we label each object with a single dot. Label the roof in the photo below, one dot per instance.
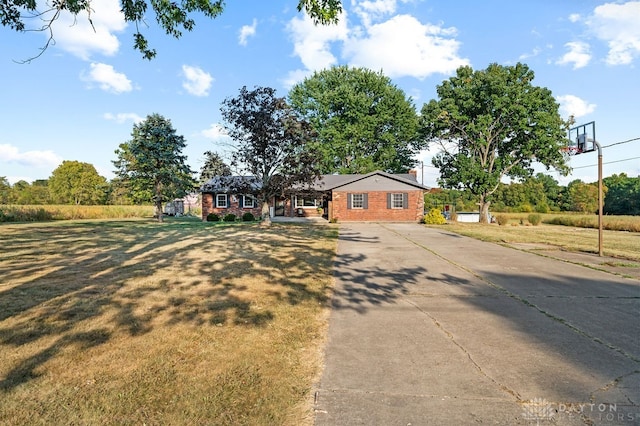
(329, 182)
(231, 184)
(325, 183)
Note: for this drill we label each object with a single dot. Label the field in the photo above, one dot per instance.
(39, 213)
(135, 322)
(620, 244)
(579, 220)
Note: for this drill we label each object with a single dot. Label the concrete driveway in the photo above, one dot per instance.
(432, 328)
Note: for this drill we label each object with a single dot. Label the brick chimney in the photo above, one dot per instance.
(414, 173)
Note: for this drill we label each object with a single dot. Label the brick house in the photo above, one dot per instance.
(375, 197)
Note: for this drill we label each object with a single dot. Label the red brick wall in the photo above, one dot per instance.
(208, 206)
(377, 208)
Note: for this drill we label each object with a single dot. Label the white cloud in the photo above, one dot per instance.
(573, 105)
(11, 154)
(617, 24)
(535, 52)
(574, 17)
(216, 132)
(400, 46)
(77, 36)
(578, 55)
(311, 43)
(123, 117)
(107, 78)
(403, 46)
(198, 82)
(247, 31)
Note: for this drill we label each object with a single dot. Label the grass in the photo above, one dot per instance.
(624, 245)
(39, 213)
(135, 322)
(579, 220)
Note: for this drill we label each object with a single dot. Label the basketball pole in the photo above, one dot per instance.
(600, 196)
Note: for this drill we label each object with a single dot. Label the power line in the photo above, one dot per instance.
(620, 143)
(608, 162)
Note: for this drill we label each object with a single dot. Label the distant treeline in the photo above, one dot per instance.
(543, 194)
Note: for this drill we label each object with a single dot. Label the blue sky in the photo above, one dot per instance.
(80, 99)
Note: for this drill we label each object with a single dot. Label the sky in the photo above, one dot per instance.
(80, 99)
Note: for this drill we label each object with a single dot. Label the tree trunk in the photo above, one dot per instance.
(159, 211)
(266, 217)
(484, 210)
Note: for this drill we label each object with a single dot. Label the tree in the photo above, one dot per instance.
(583, 197)
(152, 162)
(5, 190)
(172, 16)
(364, 122)
(74, 182)
(491, 124)
(623, 195)
(213, 166)
(272, 144)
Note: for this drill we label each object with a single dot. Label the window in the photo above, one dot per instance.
(221, 201)
(249, 202)
(306, 202)
(357, 201)
(398, 200)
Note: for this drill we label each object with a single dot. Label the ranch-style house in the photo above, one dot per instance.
(373, 197)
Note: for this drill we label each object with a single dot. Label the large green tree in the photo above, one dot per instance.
(491, 124)
(173, 17)
(75, 182)
(271, 144)
(364, 122)
(5, 190)
(152, 162)
(623, 195)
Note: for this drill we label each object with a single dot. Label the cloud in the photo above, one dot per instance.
(77, 36)
(578, 55)
(574, 17)
(617, 24)
(573, 105)
(247, 31)
(198, 82)
(216, 132)
(399, 46)
(311, 43)
(107, 78)
(123, 117)
(11, 154)
(403, 46)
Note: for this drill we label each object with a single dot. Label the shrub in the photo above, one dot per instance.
(248, 217)
(229, 217)
(212, 217)
(502, 219)
(434, 217)
(534, 219)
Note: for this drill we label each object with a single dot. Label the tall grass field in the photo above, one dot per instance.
(40, 213)
(133, 322)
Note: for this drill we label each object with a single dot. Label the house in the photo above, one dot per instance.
(377, 197)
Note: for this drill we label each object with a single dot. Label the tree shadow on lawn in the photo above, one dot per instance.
(77, 285)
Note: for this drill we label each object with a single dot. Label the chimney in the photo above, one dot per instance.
(414, 173)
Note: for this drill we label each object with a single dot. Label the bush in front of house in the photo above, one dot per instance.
(502, 219)
(534, 219)
(434, 217)
(248, 217)
(212, 217)
(229, 217)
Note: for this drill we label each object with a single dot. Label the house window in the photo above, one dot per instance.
(249, 202)
(357, 201)
(306, 202)
(221, 201)
(398, 200)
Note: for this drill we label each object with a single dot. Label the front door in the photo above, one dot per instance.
(279, 207)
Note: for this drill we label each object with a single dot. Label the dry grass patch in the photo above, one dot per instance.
(118, 322)
(624, 245)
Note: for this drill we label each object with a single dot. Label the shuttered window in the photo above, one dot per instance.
(397, 200)
(358, 201)
(222, 201)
